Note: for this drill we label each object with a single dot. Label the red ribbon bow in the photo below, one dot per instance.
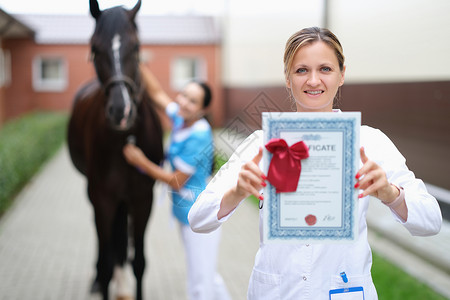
(285, 166)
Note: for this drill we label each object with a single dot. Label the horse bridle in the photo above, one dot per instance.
(116, 79)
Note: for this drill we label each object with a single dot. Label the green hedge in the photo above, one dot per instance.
(25, 144)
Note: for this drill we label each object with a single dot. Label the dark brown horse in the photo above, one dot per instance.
(105, 113)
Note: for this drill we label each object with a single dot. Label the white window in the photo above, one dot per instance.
(49, 74)
(185, 69)
(5, 67)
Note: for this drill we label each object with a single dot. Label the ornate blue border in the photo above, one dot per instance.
(273, 129)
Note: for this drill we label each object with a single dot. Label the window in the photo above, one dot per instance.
(185, 69)
(5, 67)
(49, 74)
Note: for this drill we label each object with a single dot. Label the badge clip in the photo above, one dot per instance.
(344, 277)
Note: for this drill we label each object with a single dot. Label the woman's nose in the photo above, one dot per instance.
(314, 79)
(182, 102)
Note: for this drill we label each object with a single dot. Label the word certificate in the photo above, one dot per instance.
(324, 206)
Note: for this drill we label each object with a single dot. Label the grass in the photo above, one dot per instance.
(391, 282)
(25, 144)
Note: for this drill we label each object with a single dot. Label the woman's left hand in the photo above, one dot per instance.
(134, 155)
(372, 180)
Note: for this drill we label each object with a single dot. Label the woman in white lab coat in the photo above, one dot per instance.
(314, 71)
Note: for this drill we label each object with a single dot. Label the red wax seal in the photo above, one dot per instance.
(310, 220)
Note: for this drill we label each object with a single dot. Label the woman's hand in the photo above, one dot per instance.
(251, 178)
(372, 181)
(250, 182)
(134, 155)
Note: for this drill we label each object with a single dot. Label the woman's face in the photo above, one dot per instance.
(315, 77)
(191, 102)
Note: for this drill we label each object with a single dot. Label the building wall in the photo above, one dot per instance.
(160, 58)
(393, 41)
(421, 132)
(254, 38)
(397, 72)
(20, 97)
(383, 40)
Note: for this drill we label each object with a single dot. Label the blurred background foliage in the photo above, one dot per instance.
(25, 144)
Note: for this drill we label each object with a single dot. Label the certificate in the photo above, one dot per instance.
(323, 208)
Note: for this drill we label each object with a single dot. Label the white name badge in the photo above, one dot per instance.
(352, 293)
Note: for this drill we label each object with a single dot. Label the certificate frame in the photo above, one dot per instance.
(311, 126)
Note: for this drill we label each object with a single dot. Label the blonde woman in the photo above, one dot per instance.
(314, 71)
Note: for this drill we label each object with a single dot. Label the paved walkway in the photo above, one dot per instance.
(48, 244)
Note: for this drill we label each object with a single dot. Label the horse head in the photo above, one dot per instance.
(115, 54)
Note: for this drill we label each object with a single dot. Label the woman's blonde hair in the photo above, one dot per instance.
(308, 36)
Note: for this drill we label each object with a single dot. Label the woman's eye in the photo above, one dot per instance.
(326, 69)
(301, 70)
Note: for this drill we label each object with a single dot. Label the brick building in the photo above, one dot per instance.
(49, 60)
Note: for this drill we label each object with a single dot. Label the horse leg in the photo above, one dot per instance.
(139, 265)
(104, 217)
(120, 238)
(141, 214)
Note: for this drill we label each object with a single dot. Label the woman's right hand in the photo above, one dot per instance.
(154, 88)
(251, 179)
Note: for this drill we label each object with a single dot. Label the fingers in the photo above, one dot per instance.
(365, 176)
(251, 184)
(251, 178)
(371, 182)
(128, 149)
(363, 156)
(251, 181)
(143, 68)
(371, 178)
(127, 152)
(132, 154)
(258, 156)
(367, 165)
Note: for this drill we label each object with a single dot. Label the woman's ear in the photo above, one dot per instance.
(288, 83)
(342, 76)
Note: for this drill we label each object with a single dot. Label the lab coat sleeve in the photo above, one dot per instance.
(203, 214)
(424, 214)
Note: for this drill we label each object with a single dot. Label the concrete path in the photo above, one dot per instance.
(48, 243)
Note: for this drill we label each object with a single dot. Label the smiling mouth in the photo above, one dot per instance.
(314, 92)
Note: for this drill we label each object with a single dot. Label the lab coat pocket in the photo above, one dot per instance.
(264, 286)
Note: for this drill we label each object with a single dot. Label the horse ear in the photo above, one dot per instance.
(95, 9)
(135, 9)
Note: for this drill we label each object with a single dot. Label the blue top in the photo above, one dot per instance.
(191, 151)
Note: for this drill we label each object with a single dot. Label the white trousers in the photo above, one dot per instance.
(203, 281)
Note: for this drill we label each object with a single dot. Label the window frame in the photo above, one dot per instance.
(199, 72)
(50, 85)
(5, 67)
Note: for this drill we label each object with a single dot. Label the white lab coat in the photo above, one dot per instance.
(286, 271)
